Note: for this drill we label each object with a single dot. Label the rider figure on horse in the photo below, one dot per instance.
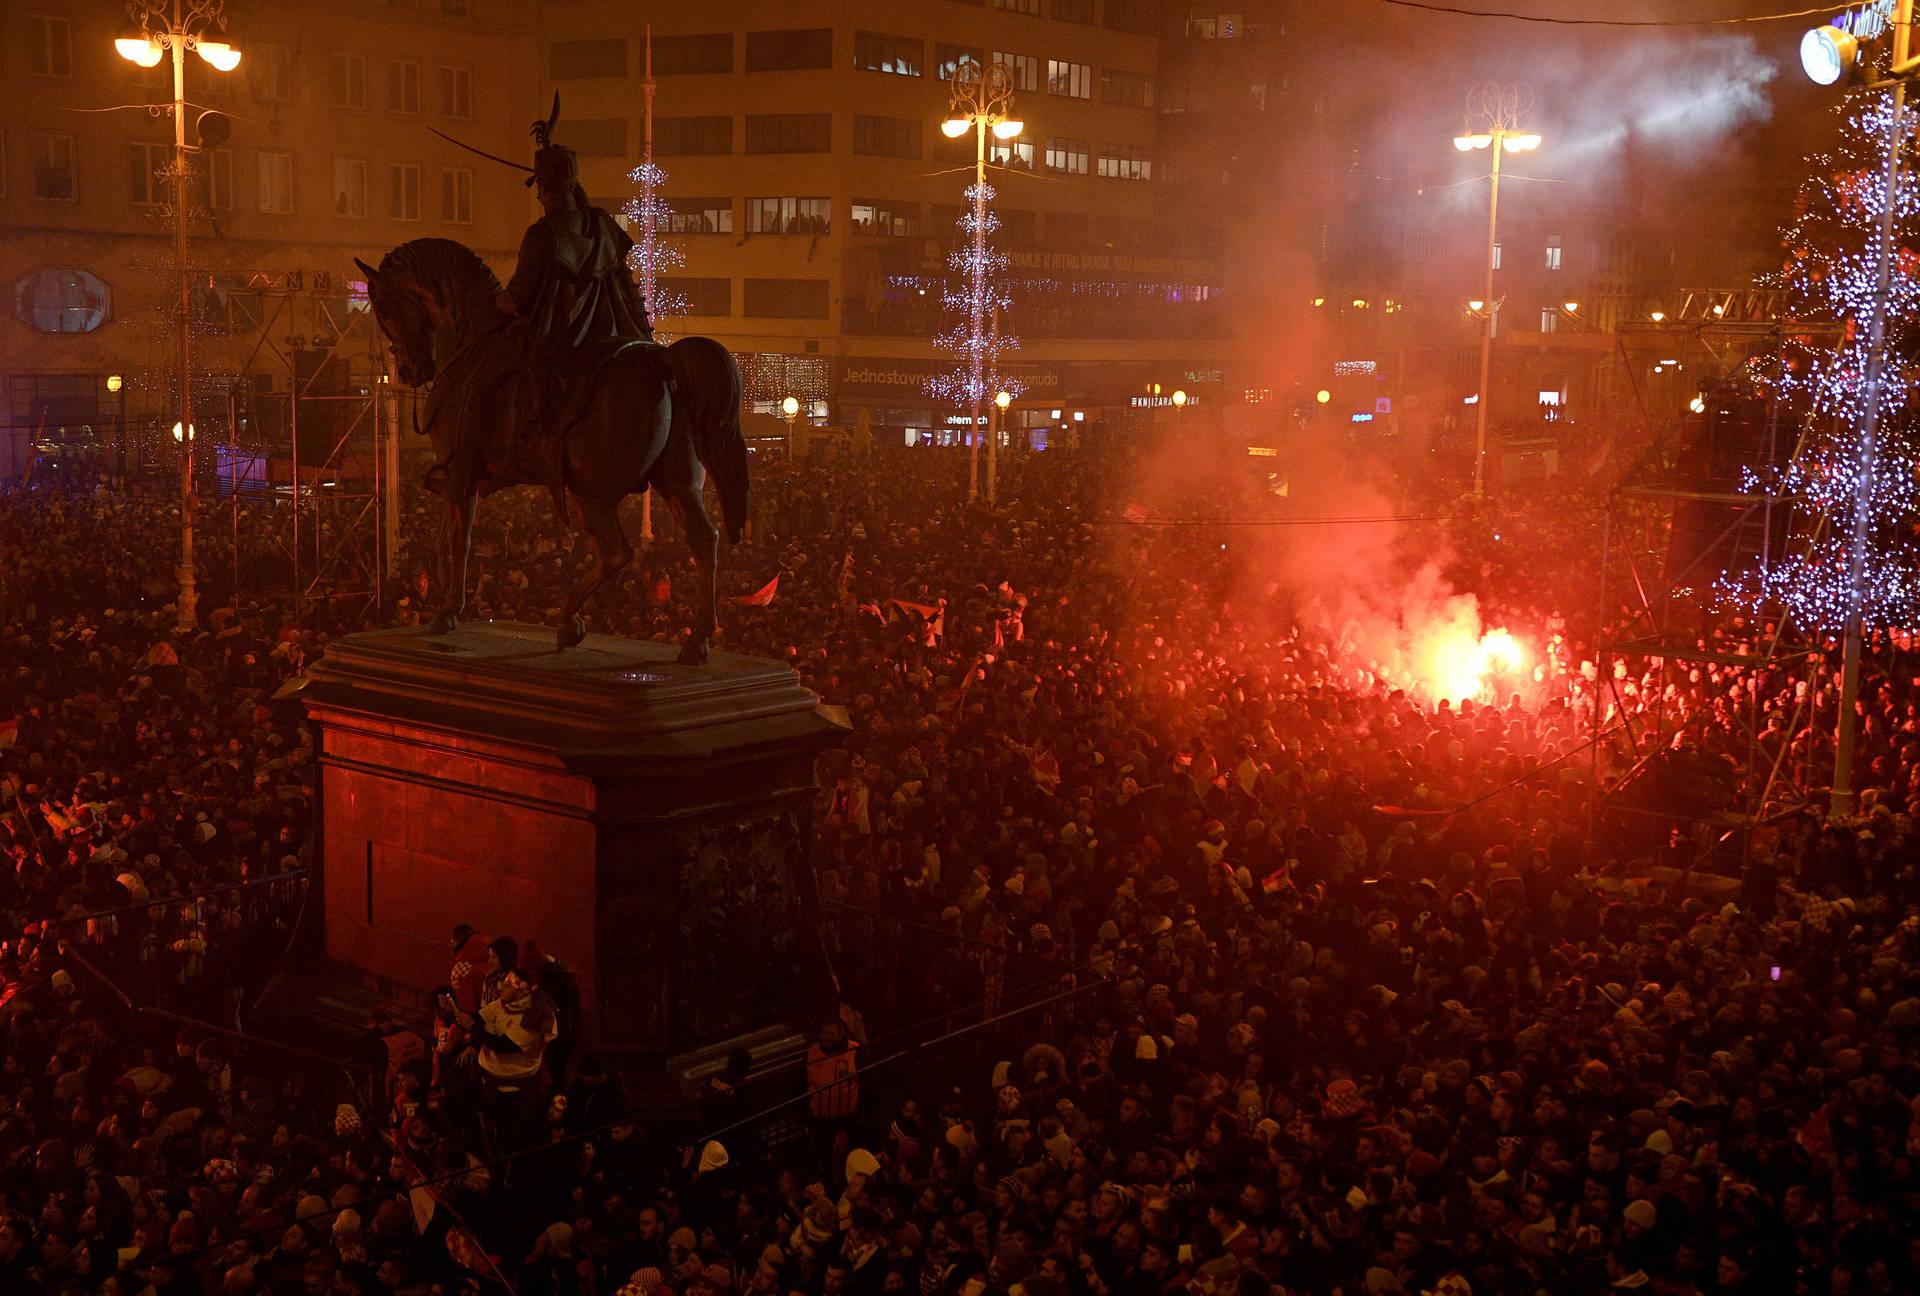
(571, 287)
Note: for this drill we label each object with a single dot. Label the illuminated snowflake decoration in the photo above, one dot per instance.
(648, 216)
(977, 286)
(1831, 273)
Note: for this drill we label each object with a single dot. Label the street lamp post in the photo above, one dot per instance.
(995, 420)
(791, 408)
(117, 385)
(1497, 108)
(174, 27)
(982, 101)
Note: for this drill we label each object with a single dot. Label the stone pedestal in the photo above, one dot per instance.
(647, 823)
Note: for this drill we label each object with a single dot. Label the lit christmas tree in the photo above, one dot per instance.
(647, 216)
(1831, 272)
(977, 296)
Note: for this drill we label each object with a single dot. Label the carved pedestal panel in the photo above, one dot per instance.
(645, 822)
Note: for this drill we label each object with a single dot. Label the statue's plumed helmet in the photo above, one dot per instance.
(555, 167)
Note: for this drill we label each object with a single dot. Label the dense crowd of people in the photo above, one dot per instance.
(1186, 942)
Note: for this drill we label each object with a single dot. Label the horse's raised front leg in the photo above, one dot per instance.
(458, 539)
(704, 541)
(600, 519)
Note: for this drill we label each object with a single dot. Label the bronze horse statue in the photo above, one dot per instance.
(642, 417)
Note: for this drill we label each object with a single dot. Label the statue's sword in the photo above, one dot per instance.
(542, 135)
(491, 157)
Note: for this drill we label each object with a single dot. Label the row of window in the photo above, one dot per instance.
(801, 49)
(347, 86)
(899, 137)
(269, 69)
(1064, 78)
(49, 50)
(352, 184)
(1555, 254)
(52, 161)
(901, 218)
(56, 178)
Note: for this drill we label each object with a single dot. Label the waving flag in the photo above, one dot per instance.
(761, 597)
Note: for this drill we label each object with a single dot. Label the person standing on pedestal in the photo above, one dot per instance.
(513, 1033)
(466, 982)
(835, 1092)
(470, 964)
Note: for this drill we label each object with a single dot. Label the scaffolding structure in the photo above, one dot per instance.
(1697, 503)
(309, 467)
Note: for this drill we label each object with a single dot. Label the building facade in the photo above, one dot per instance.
(329, 156)
(814, 196)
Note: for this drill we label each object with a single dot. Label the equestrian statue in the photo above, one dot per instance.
(556, 381)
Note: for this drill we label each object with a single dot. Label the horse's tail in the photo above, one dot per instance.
(709, 392)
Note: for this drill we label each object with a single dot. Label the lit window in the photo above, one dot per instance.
(1067, 155)
(1069, 80)
(1017, 152)
(1025, 69)
(1550, 398)
(1553, 251)
(879, 52)
(1549, 319)
(62, 301)
(788, 215)
(948, 58)
(1496, 256)
(886, 219)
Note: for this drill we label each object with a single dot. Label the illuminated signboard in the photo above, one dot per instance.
(1352, 368)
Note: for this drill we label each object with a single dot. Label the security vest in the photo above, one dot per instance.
(830, 1078)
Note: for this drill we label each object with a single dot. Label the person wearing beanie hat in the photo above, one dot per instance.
(818, 1224)
(643, 1282)
(349, 1243)
(1342, 1099)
